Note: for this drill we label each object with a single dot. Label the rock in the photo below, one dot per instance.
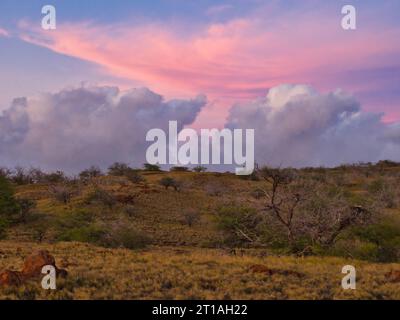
(35, 262)
(11, 278)
(393, 276)
(32, 268)
(258, 268)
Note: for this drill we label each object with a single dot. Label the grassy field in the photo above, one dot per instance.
(174, 258)
(194, 273)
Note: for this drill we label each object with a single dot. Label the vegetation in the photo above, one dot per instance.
(311, 221)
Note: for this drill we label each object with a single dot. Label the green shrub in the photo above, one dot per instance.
(199, 169)
(170, 182)
(4, 224)
(56, 177)
(151, 167)
(74, 219)
(78, 226)
(239, 224)
(91, 234)
(90, 173)
(122, 235)
(118, 169)
(134, 176)
(8, 204)
(385, 237)
(101, 196)
(179, 169)
(25, 208)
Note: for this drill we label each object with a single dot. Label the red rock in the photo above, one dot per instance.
(258, 268)
(11, 278)
(35, 262)
(393, 276)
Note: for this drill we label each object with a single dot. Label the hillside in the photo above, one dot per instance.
(177, 235)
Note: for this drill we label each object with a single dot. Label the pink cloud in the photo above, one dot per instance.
(239, 59)
(4, 33)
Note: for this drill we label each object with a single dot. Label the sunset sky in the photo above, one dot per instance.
(231, 52)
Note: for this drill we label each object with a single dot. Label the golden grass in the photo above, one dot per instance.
(193, 273)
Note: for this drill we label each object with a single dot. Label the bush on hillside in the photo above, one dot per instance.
(170, 182)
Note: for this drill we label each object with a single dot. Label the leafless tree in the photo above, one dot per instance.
(284, 196)
(316, 210)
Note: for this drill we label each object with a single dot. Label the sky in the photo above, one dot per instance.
(221, 59)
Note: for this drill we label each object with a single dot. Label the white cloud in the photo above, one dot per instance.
(75, 128)
(297, 126)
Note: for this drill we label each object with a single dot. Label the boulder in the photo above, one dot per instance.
(393, 276)
(258, 268)
(11, 278)
(35, 262)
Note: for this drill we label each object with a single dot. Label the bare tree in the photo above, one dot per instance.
(309, 208)
(62, 192)
(284, 196)
(328, 213)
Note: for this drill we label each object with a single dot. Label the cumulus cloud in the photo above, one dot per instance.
(295, 125)
(77, 127)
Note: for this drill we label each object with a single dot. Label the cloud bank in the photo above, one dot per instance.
(77, 127)
(295, 125)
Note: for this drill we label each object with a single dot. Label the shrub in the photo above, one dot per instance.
(101, 196)
(239, 224)
(130, 210)
(151, 167)
(74, 219)
(25, 207)
(20, 176)
(214, 189)
(385, 237)
(77, 225)
(191, 217)
(170, 182)
(4, 224)
(90, 234)
(90, 173)
(179, 169)
(62, 193)
(39, 231)
(8, 204)
(387, 163)
(384, 192)
(56, 177)
(134, 176)
(199, 169)
(118, 169)
(5, 173)
(122, 235)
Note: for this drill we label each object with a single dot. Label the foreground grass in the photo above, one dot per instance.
(193, 273)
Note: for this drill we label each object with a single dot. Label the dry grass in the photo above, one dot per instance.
(193, 273)
(177, 267)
